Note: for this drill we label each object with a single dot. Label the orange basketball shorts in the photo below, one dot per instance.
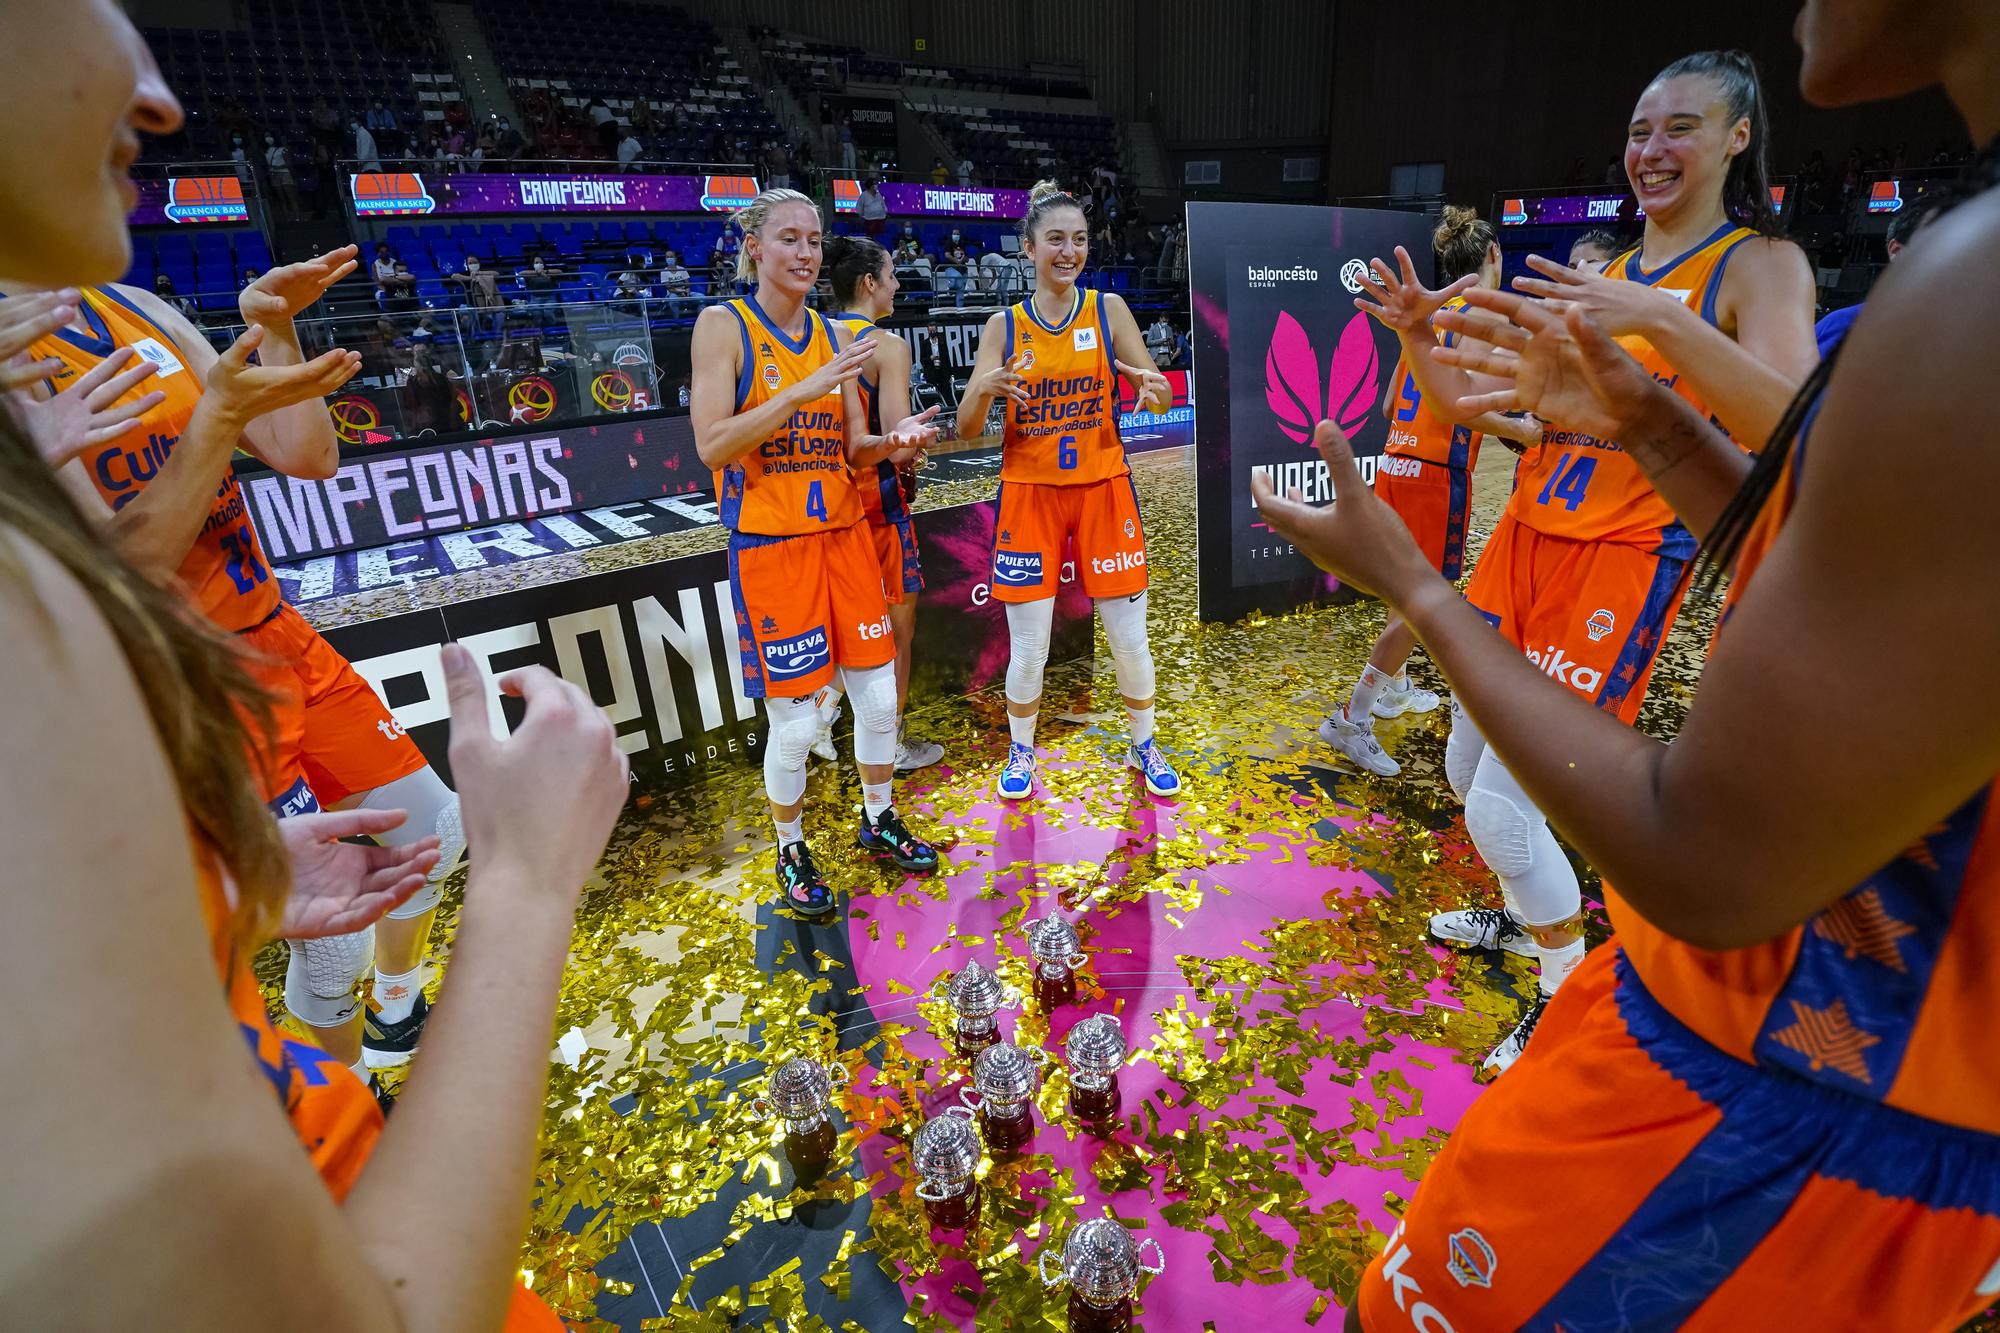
(1433, 500)
(805, 605)
(331, 735)
(1625, 1174)
(1034, 523)
(896, 547)
(1591, 615)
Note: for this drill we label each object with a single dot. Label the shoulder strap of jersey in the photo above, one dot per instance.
(112, 295)
(1725, 248)
(745, 372)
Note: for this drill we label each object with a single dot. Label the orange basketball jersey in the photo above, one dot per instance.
(1066, 434)
(1576, 486)
(797, 481)
(225, 573)
(1417, 432)
(885, 491)
(1884, 995)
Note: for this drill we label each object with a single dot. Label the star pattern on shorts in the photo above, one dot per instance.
(1920, 850)
(1828, 1039)
(1859, 924)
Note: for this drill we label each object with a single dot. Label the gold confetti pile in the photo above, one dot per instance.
(687, 1002)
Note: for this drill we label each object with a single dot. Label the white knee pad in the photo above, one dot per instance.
(794, 727)
(1513, 837)
(321, 976)
(1028, 628)
(873, 691)
(433, 808)
(1462, 750)
(1125, 631)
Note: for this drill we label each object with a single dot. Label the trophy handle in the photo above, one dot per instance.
(1010, 998)
(971, 1098)
(923, 1185)
(1042, 1267)
(1159, 1265)
(837, 1074)
(1077, 959)
(760, 1104)
(964, 1112)
(1038, 1055)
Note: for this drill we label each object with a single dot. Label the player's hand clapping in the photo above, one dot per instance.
(239, 392)
(23, 321)
(1400, 302)
(339, 887)
(284, 292)
(87, 412)
(846, 367)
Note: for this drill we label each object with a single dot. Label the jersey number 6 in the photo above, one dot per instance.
(1066, 452)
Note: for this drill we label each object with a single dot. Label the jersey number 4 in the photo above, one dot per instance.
(1569, 481)
(815, 502)
(245, 570)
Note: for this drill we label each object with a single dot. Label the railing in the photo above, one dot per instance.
(560, 166)
(925, 74)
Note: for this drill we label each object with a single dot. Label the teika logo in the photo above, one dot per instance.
(1118, 563)
(1292, 380)
(1566, 670)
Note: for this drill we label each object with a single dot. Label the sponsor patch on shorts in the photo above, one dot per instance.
(1017, 569)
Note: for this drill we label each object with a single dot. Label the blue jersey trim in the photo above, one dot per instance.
(743, 376)
(139, 314)
(1075, 310)
(1634, 271)
(1649, 630)
(796, 348)
(1714, 291)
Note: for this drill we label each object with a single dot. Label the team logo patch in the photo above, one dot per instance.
(801, 655)
(1017, 569)
(159, 354)
(1085, 340)
(1601, 623)
(771, 377)
(1131, 529)
(1024, 360)
(1470, 1260)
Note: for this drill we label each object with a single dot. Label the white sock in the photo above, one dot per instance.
(875, 798)
(1558, 963)
(396, 995)
(791, 830)
(1022, 729)
(1142, 724)
(1370, 685)
(360, 1068)
(1400, 682)
(829, 700)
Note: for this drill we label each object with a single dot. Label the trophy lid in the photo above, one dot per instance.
(1004, 1073)
(946, 1149)
(800, 1088)
(975, 992)
(1101, 1261)
(1053, 940)
(1096, 1045)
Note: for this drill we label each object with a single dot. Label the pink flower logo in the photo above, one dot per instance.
(1292, 381)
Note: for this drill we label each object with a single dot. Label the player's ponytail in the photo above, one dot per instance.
(750, 220)
(1746, 190)
(849, 259)
(190, 674)
(1461, 241)
(1045, 198)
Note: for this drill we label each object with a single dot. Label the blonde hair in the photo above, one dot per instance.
(751, 218)
(1045, 198)
(191, 675)
(1461, 241)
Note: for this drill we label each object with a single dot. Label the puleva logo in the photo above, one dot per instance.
(1292, 380)
(788, 659)
(1017, 568)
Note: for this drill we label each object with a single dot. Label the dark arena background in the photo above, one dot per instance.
(518, 473)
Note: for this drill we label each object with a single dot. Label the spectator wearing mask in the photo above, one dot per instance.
(678, 285)
(482, 293)
(847, 149)
(721, 272)
(874, 209)
(931, 362)
(278, 167)
(507, 141)
(250, 275)
(630, 295)
(1160, 339)
(365, 152)
(912, 264)
(399, 292)
(939, 172)
(603, 123)
(965, 170)
(382, 124)
(325, 123)
(539, 280)
(163, 287)
(953, 271)
(629, 149)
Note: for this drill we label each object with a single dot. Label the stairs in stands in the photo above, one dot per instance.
(798, 123)
(1145, 163)
(472, 59)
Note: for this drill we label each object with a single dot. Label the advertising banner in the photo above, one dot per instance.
(872, 120)
(408, 193)
(189, 201)
(392, 495)
(657, 647)
(950, 201)
(1279, 347)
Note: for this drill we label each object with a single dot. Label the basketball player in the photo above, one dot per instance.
(145, 872)
(864, 286)
(173, 507)
(1774, 1101)
(1584, 572)
(775, 413)
(1594, 249)
(1425, 475)
(1063, 476)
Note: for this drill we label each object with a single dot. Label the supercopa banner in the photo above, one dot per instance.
(1279, 347)
(657, 647)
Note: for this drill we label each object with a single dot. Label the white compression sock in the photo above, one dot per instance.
(1365, 691)
(1022, 729)
(396, 995)
(875, 799)
(1142, 723)
(790, 830)
(1558, 963)
(360, 1068)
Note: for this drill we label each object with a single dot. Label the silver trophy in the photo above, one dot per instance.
(945, 1153)
(1096, 1050)
(1004, 1079)
(800, 1094)
(1058, 954)
(1101, 1263)
(975, 995)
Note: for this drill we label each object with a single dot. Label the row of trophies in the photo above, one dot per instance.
(1099, 1260)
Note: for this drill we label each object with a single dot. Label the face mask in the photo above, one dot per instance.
(268, 140)
(538, 266)
(472, 266)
